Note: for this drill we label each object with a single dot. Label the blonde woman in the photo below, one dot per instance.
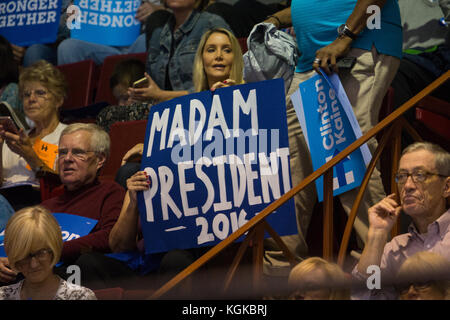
(424, 276)
(318, 279)
(218, 61)
(33, 244)
(171, 51)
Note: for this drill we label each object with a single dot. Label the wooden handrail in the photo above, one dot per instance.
(288, 195)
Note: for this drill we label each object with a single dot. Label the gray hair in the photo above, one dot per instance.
(442, 157)
(100, 142)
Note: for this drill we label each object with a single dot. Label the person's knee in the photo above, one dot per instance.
(38, 52)
(175, 261)
(66, 50)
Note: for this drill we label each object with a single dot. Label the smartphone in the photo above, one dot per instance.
(346, 63)
(9, 125)
(141, 83)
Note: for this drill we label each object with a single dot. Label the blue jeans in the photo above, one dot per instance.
(38, 52)
(74, 50)
(6, 211)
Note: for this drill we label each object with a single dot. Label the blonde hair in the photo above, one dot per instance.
(46, 74)
(29, 226)
(336, 279)
(427, 266)
(237, 69)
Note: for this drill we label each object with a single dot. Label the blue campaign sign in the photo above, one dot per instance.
(110, 23)
(26, 22)
(215, 160)
(72, 227)
(329, 126)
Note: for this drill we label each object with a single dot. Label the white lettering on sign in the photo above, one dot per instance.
(331, 127)
(216, 119)
(27, 12)
(108, 13)
(216, 167)
(67, 236)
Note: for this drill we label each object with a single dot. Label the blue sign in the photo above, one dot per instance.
(26, 22)
(72, 227)
(215, 160)
(329, 126)
(110, 23)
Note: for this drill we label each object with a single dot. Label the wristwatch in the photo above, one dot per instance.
(343, 30)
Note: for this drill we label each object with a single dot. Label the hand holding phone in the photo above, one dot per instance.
(9, 125)
(141, 83)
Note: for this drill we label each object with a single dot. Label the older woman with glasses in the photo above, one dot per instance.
(33, 244)
(25, 155)
(424, 276)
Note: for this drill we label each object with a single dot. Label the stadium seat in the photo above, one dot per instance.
(124, 135)
(109, 294)
(433, 120)
(243, 43)
(81, 79)
(104, 93)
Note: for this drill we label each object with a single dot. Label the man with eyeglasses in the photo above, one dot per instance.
(83, 150)
(423, 181)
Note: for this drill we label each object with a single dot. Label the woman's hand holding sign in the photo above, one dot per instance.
(124, 233)
(223, 84)
(138, 182)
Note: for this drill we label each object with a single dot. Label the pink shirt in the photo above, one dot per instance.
(437, 239)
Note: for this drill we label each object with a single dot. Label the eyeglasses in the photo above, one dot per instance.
(403, 288)
(39, 93)
(417, 176)
(40, 255)
(79, 154)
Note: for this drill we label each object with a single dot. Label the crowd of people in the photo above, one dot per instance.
(192, 46)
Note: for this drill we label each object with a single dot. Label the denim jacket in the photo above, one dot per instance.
(186, 38)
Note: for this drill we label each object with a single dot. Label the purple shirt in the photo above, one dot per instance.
(437, 240)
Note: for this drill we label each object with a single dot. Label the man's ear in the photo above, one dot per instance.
(447, 188)
(101, 161)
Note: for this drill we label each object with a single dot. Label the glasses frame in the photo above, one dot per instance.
(414, 176)
(80, 154)
(403, 288)
(38, 93)
(41, 255)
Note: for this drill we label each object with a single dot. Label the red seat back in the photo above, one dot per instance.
(104, 93)
(243, 44)
(81, 79)
(124, 136)
(109, 293)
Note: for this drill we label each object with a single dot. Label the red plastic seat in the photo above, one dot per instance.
(243, 43)
(124, 136)
(109, 294)
(104, 93)
(81, 78)
(434, 115)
